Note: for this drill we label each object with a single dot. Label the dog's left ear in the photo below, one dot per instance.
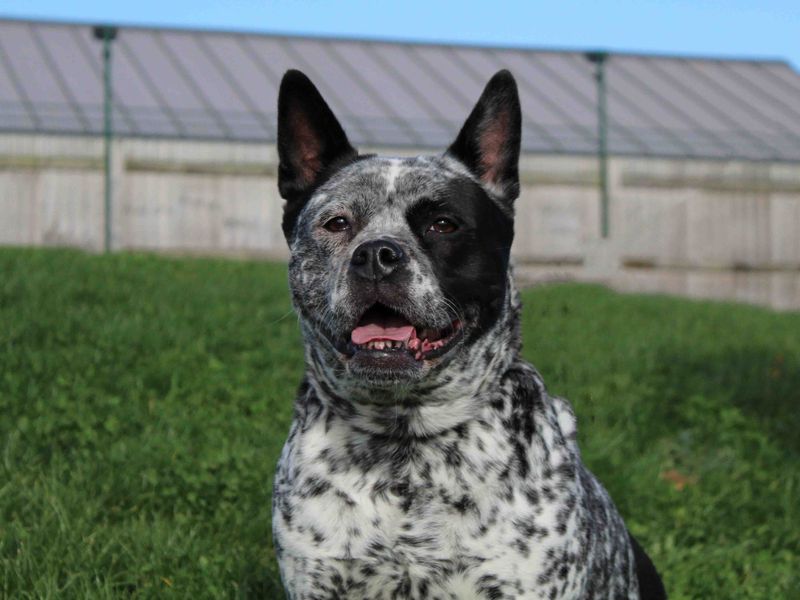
(488, 143)
(311, 143)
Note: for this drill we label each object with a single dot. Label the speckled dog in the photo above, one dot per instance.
(426, 459)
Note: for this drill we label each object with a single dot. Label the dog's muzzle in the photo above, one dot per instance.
(390, 334)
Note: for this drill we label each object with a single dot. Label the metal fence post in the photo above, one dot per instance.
(107, 34)
(599, 60)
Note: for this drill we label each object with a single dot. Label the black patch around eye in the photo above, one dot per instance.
(425, 211)
(470, 263)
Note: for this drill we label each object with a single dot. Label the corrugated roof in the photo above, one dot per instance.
(223, 85)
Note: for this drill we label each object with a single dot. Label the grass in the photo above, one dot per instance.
(144, 401)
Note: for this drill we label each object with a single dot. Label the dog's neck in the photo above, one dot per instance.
(442, 400)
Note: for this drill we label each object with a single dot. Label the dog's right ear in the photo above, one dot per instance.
(310, 142)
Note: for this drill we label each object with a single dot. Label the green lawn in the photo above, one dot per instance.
(144, 401)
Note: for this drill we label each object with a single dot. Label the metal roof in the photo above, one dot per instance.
(223, 85)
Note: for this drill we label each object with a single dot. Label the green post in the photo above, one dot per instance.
(107, 34)
(599, 60)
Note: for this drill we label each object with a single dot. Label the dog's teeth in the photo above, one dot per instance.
(379, 345)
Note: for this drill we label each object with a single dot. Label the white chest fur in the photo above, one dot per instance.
(484, 510)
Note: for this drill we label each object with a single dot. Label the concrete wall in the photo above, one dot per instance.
(728, 230)
(205, 197)
(703, 229)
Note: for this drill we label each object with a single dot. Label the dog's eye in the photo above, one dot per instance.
(337, 224)
(443, 226)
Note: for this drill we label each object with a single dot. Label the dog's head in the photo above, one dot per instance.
(399, 266)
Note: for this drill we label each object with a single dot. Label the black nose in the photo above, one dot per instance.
(377, 259)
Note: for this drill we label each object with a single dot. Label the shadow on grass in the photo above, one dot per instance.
(259, 585)
(763, 383)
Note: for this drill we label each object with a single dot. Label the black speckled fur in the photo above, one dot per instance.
(455, 476)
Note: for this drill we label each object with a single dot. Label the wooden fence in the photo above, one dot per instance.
(728, 230)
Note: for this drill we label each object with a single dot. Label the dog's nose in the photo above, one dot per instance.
(377, 259)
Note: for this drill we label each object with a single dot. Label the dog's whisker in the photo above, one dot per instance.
(282, 317)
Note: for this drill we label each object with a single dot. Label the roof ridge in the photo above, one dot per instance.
(395, 41)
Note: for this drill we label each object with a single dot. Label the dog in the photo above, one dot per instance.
(425, 458)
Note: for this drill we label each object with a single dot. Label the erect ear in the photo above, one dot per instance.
(488, 143)
(310, 141)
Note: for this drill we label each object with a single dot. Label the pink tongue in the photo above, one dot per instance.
(395, 329)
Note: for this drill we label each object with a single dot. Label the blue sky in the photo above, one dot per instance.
(726, 28)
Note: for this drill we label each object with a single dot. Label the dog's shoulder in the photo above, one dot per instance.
(537, 413)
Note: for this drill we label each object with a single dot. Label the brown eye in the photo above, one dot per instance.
(337, 224)
(443, 226)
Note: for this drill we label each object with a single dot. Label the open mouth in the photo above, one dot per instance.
(384, 330)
